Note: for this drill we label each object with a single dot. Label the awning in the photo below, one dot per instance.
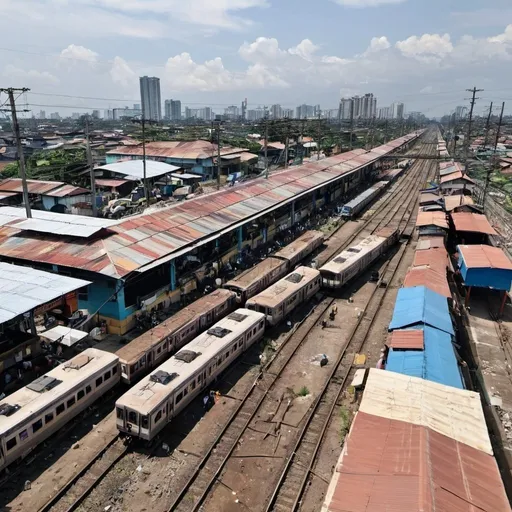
(64, 335)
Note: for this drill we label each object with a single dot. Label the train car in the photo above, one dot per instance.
(301, 248)
(150, 349)
(256, 279)
(152, 403)
(36, 411)
(354, 207)
(353, 260)
(280, 299)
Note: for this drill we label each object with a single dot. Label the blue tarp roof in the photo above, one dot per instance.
(436, 363)
(419, 305)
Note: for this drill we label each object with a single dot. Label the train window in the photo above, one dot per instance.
(199, 378)
(99, 380)
(193, 385)
(48, 417)
(158, 350)
(262, 324)
(71, 402)
(142, 360)
(23, 435)
(107, 376)
(114, 370)
(133, 368)
(227, 355)
(185, 391)
(145, 422)
(120, 413)
(179, 396)
(11, 443)
(80, 394)
(37, 425)
(158, 416)
(60, 409)
(88, 389)
(132, 417)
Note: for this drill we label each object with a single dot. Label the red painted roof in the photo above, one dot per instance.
(430, 278)
(394, 466)
(473, 222)
(412, 339)
(485, 256)
(432, 219)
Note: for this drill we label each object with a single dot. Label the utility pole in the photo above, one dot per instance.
(373, 132)
(266, 141)
(319, 135)
(145, 181)
(351, 121)
(496, 140)
(470, 122)
(487, 126)
(91, 168)
(219, 162)
(21, 157)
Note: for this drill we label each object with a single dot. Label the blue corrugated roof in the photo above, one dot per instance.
(436, 363)
(420, 305)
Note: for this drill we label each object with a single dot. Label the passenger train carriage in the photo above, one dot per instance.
(33, 413)
(146, 408)
(277, 301)
(346, 265)
(354, 207)
(300, 248)
(150, 349)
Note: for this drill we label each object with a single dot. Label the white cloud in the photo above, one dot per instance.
(506, 37)
(122, 73)
(428, 89)
(262, 49)
(426, 46)
(379, 43)
(367, 3)
(31, 77)
(305, 49)
(74, 53)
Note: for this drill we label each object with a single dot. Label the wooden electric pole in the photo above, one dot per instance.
(91, 168)
(266, 141)
(470, 122)
(21, 157)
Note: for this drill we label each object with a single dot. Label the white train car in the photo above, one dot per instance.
(354, 207)
(33, 413)
(301, 248)
(252, 281)
(146, 408)
(353, 260)
(153, 347)
(280, 299)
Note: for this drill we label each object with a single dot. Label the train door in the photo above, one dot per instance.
(170, 409)
(131, 421)
(150, 359)
(2, 458)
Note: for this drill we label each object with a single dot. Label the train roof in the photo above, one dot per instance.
(52, 387)
(151, 391)
(298, 245)
(134, 350)
(347, 257)
(285, 287)
(367, 193)
(249, 277)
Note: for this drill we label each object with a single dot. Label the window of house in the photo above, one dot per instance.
(60, 409)
(37, 425)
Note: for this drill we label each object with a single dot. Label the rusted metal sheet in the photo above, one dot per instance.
(67, 191)
(390, 465)
(436, 258)
(432, 219)
(472, 222)
(34, 186)
(430, 278)
(405, 339)
(484, 256)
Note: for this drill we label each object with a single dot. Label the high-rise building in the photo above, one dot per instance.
(126, 112)
(136, 106)
(358, 107)
(75, 116)
(344, 109)
(244, 109)
(399, 110)
(305, 112)
(276, 111)
(108, 114)
(317, 111)
(288, 113)
(460, 112)
(96, 114)
(150, 97)
(42, 114)
(255, 114)
(55, 116)
(232, 112)
(172, 110)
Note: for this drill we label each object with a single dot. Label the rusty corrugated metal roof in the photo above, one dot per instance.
(406, 339)
(452, 202)
(432, 219)
(34, 186)
(457, 175)
(472, 222)
(430, 278)
(485, 256)
(146, 240)
(188, 150)
(429, 243)
(436, 258)
(67, 191)
(394, 466)
(103, 182)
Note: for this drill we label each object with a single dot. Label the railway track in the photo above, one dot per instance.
(193, 494)
(299, 466)
(205, 474)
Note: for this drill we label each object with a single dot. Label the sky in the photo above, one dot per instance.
(83, 54)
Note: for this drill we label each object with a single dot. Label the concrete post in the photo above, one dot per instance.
(173, 275)
(293, 213)
(240, 238)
